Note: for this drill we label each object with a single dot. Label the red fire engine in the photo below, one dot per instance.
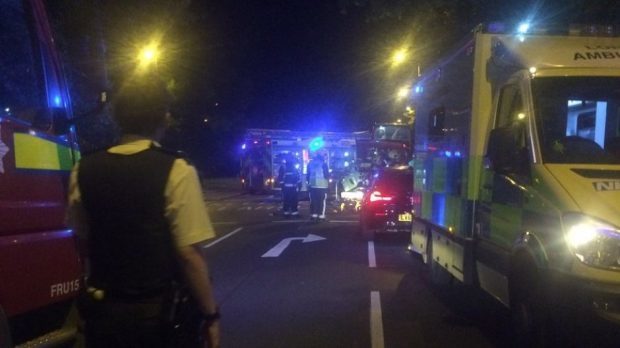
(40, 272)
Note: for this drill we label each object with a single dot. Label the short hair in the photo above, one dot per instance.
(140, 107)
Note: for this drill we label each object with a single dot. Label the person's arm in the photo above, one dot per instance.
(308, 169)
(190, 227)
(193, 263)
(326, 173)
(194, 266)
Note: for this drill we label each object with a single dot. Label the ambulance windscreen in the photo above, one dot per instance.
(578, 119)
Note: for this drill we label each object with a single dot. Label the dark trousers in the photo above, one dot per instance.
(289, 199)
(124, 324)
(317, 201)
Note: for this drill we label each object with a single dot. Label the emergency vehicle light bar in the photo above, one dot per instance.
(528, 28)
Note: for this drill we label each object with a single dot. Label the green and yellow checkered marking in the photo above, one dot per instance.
(32, 152)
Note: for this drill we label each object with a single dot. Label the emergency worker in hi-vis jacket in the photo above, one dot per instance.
(318, 182)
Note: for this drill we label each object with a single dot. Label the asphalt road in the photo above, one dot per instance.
(294, 283)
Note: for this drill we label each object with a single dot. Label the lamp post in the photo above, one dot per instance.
(403, 92)
(148, 56)
(399, 57)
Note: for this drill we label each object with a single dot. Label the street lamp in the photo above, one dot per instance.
(403, 92)
(399, 57)
(148, 55)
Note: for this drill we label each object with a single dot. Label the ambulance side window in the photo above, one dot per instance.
(510, 107)
(507, 149)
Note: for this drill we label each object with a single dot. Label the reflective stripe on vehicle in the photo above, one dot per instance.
(32, 152)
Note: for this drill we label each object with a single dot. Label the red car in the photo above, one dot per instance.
(386, 205)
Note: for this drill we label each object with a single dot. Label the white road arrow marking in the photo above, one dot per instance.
(279, 248)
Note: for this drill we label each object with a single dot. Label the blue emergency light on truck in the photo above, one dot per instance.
(266, 150)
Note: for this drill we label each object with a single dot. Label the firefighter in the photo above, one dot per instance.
(290, 182)
(317, 177)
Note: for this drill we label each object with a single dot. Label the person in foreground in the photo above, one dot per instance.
(140, 218)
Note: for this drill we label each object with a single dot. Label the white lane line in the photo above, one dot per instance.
(372, 261)
(223, 237)
(376, 321)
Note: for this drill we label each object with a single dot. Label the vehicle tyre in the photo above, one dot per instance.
(437, 274)
(5, 333)
(528, 315)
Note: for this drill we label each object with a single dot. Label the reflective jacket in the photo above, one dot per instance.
(318, 174)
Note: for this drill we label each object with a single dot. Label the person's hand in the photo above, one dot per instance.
(211, 335)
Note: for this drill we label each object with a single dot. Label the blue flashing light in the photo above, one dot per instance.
(57, 101)
(457, 153)
(316, 144)
(346, 163)
(448, 153)
(296, 165)
(523, 28)
(496, 28)
(419, 89)
(346, 154)
(243, 146)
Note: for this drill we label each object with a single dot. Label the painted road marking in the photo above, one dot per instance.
(284, 243)
(372, 261)
(376, 321)
(223, 237)
(304, 220)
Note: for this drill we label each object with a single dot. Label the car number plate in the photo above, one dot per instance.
(404, 217)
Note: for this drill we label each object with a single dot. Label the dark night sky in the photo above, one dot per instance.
(299, 64)
(321, 65)
(287, 63)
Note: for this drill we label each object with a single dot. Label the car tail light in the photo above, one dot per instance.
(377, 196)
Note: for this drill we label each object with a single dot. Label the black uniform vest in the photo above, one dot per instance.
(291, 178)
(130, 244)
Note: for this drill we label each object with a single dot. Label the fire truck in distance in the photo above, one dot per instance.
(265, 150)
(40, 272)
(386, 145)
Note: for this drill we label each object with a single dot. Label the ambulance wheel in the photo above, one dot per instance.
(529, 322)
(437, 274)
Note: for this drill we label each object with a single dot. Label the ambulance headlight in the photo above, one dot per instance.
(594, 242)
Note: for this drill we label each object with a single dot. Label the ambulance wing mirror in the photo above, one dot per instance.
(505, 152)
